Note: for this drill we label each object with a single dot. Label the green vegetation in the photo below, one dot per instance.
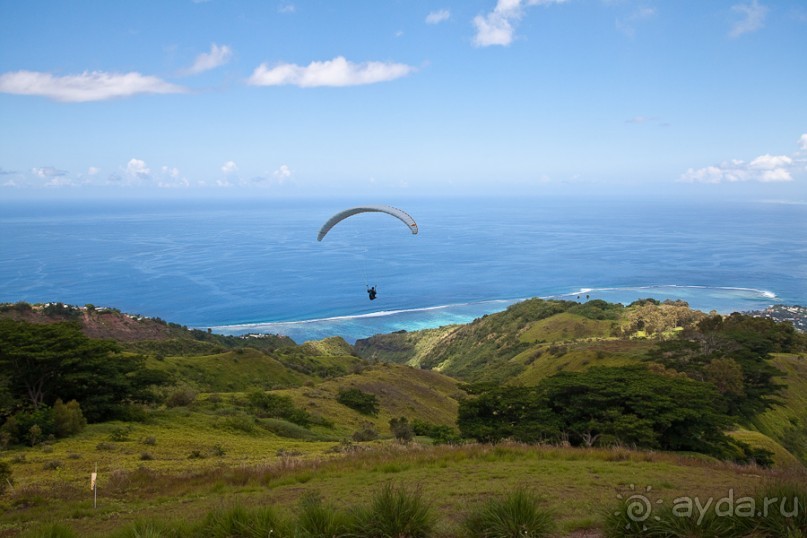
(630, 406)
(364, 403)
(515, 516)
(203, 435)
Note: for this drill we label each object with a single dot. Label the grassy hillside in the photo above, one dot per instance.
(787, 422)
(578, 486)
(209, 442)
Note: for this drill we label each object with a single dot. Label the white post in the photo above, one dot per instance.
(95, 487)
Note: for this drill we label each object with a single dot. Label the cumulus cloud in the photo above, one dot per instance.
(764, 168)
(206, 61)
(752, 17)
(229, 167)
(436, 17)
(283, 173)
(88, 86)
(336, 72)
(138, 170)
(498, 26)
(803, 142)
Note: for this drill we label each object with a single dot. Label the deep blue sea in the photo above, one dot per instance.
(255, 266)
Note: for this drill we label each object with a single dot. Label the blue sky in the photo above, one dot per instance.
(406, 97)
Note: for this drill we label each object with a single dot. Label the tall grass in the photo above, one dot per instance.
(517, 515)
(317, 520)
(395, 512)
(240, 522)
(52, 530)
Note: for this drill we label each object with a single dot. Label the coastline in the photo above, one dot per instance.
(723, 300)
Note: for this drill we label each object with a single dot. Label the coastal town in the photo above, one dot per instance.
(796, 315)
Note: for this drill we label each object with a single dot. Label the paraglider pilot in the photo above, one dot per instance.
(371, 292)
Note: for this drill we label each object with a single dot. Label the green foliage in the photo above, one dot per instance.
(439, 433)
(40, 421)
(395, 511)
(401, 429)
(630, 405)
(47, 362)
(733, 354)
(598, 309)
(275, 406)
(68, 418)
(517, 515)
(361, 401)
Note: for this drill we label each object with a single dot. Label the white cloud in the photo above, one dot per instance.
(170, 171)
(336, 72)
(283, 173)
(498, 26)
(48, 172)
(764, 169)
(137, 169)
(803, 142)
(770, 162)
(88, 86)
(93, 171)
(287, 8)
(752, 18)
(206, 61)
(436, 17)
(229, 167)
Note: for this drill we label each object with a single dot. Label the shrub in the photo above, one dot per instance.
(363, 402)
(401, 429)
(517, 515)
(395, 512)
(119, 434)
(68, 418)
(274, 406)
(366, 433)
(181, 397)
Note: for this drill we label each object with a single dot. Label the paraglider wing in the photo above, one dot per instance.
(342, 215)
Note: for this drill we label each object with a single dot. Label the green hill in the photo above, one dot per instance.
(262, 420)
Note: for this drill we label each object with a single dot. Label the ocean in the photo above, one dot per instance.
(255, 266)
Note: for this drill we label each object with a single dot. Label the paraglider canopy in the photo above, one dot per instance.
(389, 210)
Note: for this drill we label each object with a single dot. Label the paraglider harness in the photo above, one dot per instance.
(371, 292)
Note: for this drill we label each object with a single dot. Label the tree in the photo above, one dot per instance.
(51, 361)
(630, 405)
